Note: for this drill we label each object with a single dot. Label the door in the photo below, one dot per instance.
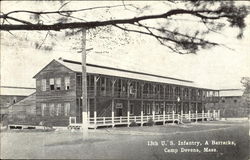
(118, 112)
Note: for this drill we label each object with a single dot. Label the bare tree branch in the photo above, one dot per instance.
(93, 24)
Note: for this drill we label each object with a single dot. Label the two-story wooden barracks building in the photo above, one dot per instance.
(115, 96)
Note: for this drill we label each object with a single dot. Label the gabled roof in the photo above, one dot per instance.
(53, 61)
(116, 72)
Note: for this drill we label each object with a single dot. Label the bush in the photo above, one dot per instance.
(133, 124)
(150, 122)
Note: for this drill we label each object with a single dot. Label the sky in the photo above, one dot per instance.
(217, 68)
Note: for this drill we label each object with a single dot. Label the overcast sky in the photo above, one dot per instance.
(218, 67)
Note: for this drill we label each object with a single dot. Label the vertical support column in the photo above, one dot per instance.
(196, 116)
(202, 115)
(164, 112)
(95, 91)
(128, 113)
(214, 115)
(88, 100)
(189, 116)
(173, 116)
(208, 115)
(113, 102)
(142, 113)
(218, 114)
(112, 112)
(181, 101)
(153, 111)
(196, 111)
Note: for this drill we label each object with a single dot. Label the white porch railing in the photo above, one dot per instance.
(126, 120)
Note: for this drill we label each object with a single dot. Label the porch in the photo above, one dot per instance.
(95, 122)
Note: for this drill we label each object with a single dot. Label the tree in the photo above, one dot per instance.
(212, 16)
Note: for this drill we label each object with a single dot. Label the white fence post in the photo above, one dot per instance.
(153, 112)
(219, 114)
(196, 116)
(128, 118)
(189, 115)
(95, 118)
(208, 115)
(113, 118)
(214, 114)
(181, 115)
(173, 117)
(202, 115)
(164, 116)
(141, 118)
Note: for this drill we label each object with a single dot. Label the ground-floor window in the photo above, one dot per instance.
(51, 109)
(144, 109)
(66, 109)
(58, 109)
(131, 110)
(148, 109)
(157, 108)
(43, 108)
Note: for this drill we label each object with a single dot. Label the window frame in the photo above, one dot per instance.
(52, 84)
(43, 84)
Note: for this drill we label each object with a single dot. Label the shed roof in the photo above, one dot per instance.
(16, 91)
(231, 92)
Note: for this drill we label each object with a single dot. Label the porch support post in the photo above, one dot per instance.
(214, 114)
(208, 115)
(153, 112)
(128, 113)
(88, 109)
(164, 104)
(142, 113)
(173, 116)
(164, 112)
(202, 115)
(219, 114)
(189, 115)
(196, 112)
(113, 102)
(95, 91)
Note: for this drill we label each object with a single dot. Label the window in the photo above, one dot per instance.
(43, 84)
(51, 109)
(223, 101)
(148, 109)
(144, 109)
(58, 83)
(131, 109)
(67, 83)
(58, 109)
(157, 108)
(52, 83)
(66, 109)
(43, 107)
(235, 101)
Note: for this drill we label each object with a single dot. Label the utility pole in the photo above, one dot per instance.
(84, 86)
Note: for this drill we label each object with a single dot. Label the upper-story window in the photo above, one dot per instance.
(58, 83)
(43, 85)
(52, 83)
(67, 83)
